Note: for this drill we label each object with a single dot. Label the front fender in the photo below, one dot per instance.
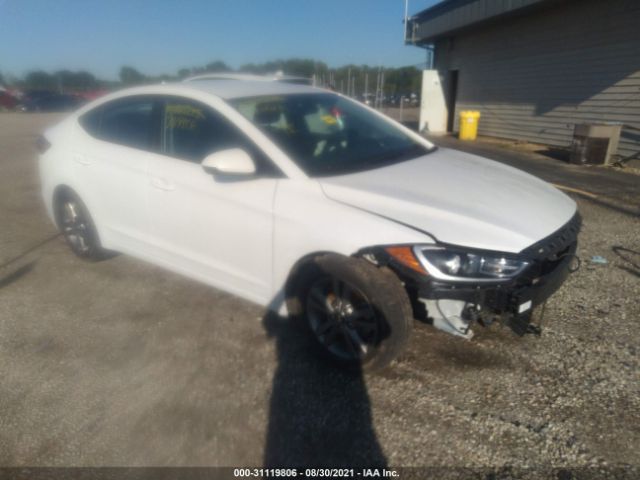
(306, 222)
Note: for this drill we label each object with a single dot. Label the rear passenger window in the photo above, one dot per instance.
(91, 122)
(126, 122)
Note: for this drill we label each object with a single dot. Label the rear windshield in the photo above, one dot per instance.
(328, 135)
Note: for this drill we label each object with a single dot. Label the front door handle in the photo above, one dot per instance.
(162, 184)
(81, 159)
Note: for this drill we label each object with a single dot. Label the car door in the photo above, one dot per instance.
(110, 164)
(215, 229)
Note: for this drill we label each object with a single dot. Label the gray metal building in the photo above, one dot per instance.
(535, 68)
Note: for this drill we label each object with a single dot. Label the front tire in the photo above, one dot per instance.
(77, 227)
(359, 314)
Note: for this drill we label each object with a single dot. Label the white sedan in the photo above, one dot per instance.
(312, 205)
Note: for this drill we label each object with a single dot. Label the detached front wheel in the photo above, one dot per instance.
(359, 314)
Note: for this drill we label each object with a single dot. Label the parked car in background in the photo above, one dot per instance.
(32, 95)
(88, 95)
(7, 100)
(49, 102)
(367, 98)
(311, 204)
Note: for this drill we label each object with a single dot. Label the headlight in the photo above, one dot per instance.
(458, 265)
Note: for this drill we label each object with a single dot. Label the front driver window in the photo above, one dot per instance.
(192, 131)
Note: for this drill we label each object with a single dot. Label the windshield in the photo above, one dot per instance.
(327, 135)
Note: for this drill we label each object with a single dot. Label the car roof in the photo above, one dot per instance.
(223, 89)
(275, 77)
(229, 89)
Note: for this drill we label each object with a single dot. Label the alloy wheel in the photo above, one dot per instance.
(342, 318)
(74, 227)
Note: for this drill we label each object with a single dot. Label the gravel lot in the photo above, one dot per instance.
(122, 363)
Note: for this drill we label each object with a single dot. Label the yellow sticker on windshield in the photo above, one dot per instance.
(329, 119)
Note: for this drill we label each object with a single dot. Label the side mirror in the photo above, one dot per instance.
(234, 161)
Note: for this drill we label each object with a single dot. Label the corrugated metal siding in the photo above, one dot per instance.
(534, 77)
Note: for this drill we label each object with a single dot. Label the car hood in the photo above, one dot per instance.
(458, 198)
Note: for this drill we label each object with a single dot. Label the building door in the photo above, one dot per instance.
(452, 95)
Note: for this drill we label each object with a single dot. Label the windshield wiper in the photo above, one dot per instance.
(412, 152)
(372, 162)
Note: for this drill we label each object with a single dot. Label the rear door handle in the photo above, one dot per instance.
(162, 184)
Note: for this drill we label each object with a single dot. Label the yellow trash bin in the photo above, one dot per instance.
(469, 125)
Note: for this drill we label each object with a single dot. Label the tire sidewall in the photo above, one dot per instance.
(385, 294)
(95, 251)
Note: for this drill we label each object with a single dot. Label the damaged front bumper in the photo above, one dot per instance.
(455, 306)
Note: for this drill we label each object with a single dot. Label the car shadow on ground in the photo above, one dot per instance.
(28, 250)
(17, 274)
(318, 414)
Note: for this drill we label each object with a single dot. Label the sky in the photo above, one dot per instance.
(162, 36)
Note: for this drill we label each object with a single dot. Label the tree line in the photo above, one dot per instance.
(60, 80)
(348, 78)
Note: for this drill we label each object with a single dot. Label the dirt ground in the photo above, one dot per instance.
(122, 363)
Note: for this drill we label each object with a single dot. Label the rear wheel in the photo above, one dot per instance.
(359, 314)
(76, 224)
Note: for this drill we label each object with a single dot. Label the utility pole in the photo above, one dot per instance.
(366, 86)
(381, 87)
(377, 97)
(348, 82)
